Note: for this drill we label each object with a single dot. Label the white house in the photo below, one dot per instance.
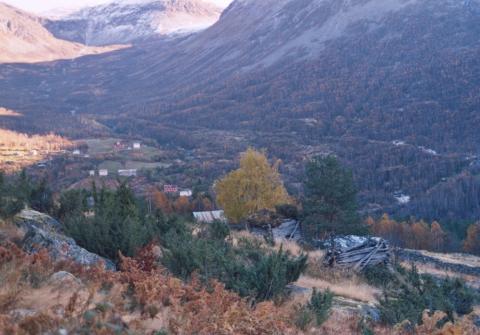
(76, 152)
(186, 193)
(128, 173)
(136, 145)
(209, 217)
(103, 173)
(91, 173)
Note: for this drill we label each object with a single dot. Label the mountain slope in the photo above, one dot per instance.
(135, 20)
(390, 86)
(23, 39)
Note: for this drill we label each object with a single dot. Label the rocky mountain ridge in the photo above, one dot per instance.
(23, 39)
(133, 21)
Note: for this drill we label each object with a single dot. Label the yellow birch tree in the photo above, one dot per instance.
(256, 185)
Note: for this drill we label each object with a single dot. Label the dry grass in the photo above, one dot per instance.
(10, 285)
(291, 247)
(343, 283)
(8, 112)
(10, 232)
(340, 322)
(348, 289)
(10, 295)
(236, 236)
(455, 258)
(432, 269)
(19, 150)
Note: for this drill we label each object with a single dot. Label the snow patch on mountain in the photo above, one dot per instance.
(133, 20)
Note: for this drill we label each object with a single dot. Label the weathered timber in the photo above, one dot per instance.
(370, 253)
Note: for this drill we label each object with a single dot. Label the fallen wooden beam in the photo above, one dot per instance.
(371, 253)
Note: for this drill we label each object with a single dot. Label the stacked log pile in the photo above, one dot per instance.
(370, 253)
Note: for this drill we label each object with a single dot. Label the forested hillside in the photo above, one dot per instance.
(391, 87)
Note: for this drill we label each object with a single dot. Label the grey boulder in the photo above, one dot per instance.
(44, 232)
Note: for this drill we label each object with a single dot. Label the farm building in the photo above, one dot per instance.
(170, 189)
(103, 173)
(186, 193)
(209, 217)
(128, 173)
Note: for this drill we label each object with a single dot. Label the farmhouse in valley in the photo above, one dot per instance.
(170, 189)
(186, 193)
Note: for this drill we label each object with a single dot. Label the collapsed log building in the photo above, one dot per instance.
(372, 252)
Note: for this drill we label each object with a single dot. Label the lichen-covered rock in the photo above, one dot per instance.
(64, 278)
(29, 218)
(44, 232)
(61, 247)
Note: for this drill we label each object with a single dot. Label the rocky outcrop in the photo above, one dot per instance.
(30, 218)
(44, 232)
(64, 280)
(122, 22)
(23, 39)
(61, 277)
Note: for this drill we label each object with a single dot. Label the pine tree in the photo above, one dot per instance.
(330, 199)
(118, 224)
(23, 187)
(41, 197)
